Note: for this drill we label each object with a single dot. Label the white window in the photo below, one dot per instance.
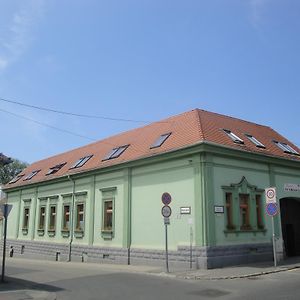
(160, 140)
(255, 141)
(233, 136)
(286, 148)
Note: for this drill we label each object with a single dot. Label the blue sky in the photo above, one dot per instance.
(143, 60)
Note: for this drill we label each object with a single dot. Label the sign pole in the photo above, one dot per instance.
(272, 210)
(191, 247)
(167, 255)
(4, 242)
(274, 245)
(166, 212)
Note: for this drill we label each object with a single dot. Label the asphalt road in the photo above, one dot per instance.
(84, 281)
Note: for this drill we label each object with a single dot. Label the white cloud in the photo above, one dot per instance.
(19, 32)
(257, 8)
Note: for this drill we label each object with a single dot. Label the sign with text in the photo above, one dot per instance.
(291, 187)
(166, 211)
(270, 195)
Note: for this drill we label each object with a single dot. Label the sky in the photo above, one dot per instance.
(142, 60)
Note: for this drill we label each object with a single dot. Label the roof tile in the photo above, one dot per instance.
(187, 129)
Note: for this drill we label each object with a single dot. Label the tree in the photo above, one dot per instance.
(9, 171)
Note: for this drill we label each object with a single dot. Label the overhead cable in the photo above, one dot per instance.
(47, 125)
(71, 113)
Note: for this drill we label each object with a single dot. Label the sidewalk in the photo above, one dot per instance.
(28, 287)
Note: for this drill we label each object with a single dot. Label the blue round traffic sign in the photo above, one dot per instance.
(271, 209)
(166, 198)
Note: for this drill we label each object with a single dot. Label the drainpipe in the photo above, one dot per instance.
(34, 213)
(72, 218)
(129, 216)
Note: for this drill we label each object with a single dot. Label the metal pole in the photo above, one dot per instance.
(191, 249)
(4, 242)
(274, 246)
(167, 258)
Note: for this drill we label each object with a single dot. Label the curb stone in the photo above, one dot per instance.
(195, 277)
(29, 294)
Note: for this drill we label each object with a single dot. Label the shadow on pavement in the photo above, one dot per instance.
(14, 284)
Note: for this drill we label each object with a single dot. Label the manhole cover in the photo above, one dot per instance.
(213, 293)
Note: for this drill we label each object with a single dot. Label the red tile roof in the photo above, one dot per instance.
(189, 128)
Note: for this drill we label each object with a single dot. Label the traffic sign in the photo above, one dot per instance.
(166, 198)
(5, 208)
(270, 195)
(272, 209)
(166, 211)
(166, 221)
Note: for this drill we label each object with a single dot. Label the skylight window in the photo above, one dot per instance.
(233, 136)
(286, 148)
(32, 174)
(255, 141)
(55, 169)
(115, 152)
(17, 178)
(160, 140)
(80, 162)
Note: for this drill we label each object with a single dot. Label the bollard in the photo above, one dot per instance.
(57, 256)
(11, 251)
(84, 257)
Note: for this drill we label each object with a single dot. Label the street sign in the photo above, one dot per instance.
(272, 209)
(166, 198)
(166, 221)
(270, 195)
(5, 208)
(166, 211)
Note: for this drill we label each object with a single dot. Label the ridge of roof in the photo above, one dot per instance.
(233, 118)
(201, 131)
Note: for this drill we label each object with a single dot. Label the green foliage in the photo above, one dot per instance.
(9, 171)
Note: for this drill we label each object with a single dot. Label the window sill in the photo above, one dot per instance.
(65, 233)
(41, 232)
(51, 233)
(79, 233)
(107, 234)
(243, 231)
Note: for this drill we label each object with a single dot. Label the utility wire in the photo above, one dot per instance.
(72, 114)
(64, 130)
(47, 125)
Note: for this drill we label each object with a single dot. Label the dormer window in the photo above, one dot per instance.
(255, 141)
(32, 174)
(115, 152)
(55, 169)
(81, 162)
(286, 148)
(233, 136)
(15, 179)
(160, 140)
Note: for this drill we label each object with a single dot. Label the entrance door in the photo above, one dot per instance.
(290, 224)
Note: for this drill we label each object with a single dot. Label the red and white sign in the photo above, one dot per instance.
(270, 195)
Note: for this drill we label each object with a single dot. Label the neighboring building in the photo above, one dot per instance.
(103, 200)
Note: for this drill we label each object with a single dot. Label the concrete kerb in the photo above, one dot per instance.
(238, 276)
(29, 294)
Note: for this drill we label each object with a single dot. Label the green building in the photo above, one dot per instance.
(103, 202)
